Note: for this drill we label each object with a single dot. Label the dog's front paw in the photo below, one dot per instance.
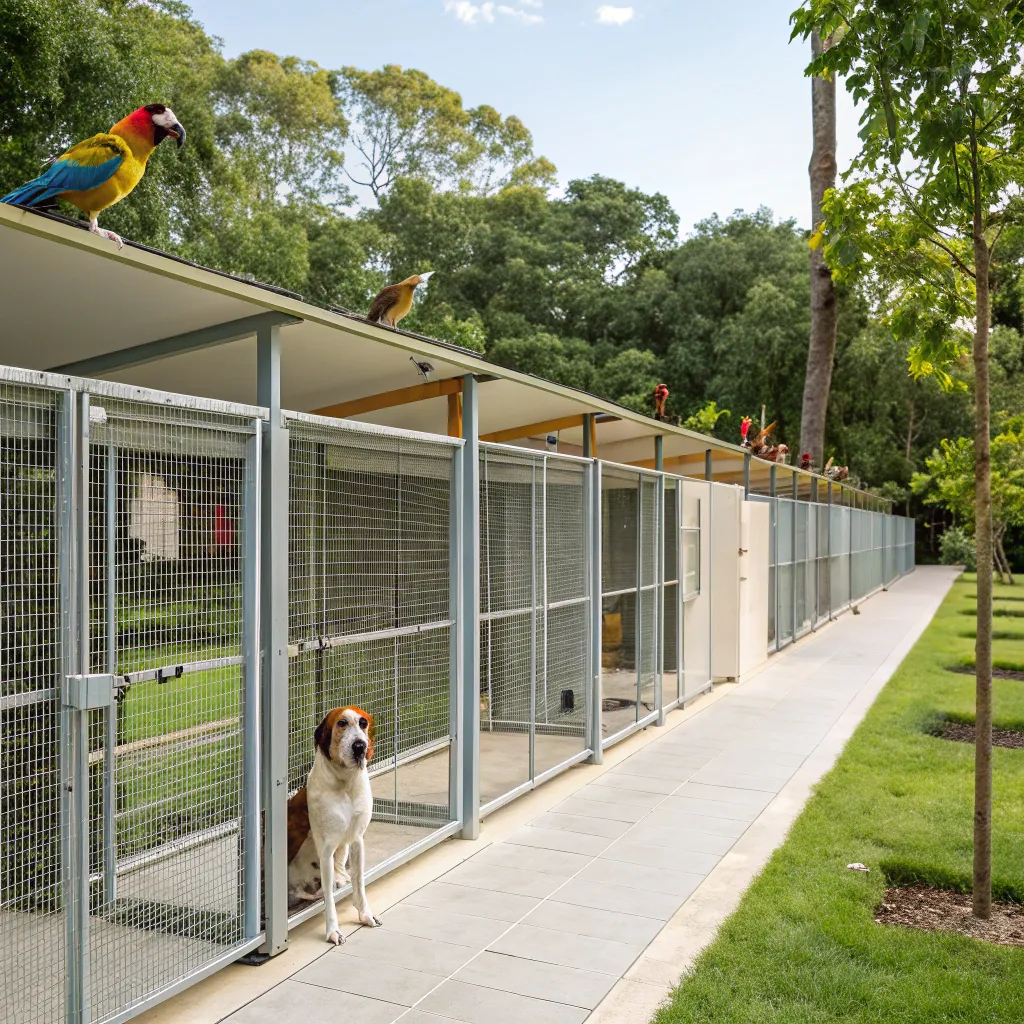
(334, 937)
(367, 918)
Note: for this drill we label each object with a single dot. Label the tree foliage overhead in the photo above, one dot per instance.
(591, 286)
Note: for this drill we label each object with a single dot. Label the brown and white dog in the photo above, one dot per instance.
(327, 819)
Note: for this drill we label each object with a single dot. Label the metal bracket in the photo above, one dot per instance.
(90, 692)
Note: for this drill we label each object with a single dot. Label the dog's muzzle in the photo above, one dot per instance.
(359, 750)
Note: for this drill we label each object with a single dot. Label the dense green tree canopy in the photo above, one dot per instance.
(593, 286)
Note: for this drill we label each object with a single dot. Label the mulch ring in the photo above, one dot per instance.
(939, 910)
(960, 732)
(997, 673)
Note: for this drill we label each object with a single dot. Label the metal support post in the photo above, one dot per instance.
(588, 436)
(709, 473)
(80, 785)
(680, 618)
(251, 782)
(596, 609)
(746, 475)
(469, 618)
(70, 824)
(110, 725)
(829, 550)
(813, 536)
(793, 562)
(659, 578)
(274, 639)
(659, 453)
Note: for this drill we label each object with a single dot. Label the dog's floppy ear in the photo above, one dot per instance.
(371, 729)
(322, 736)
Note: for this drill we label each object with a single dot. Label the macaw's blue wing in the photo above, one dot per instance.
(84, 166)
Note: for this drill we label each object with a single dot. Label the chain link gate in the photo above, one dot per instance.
(372, 619)
(165, 697)
(631, 568)
(535, 651)
(34, 807)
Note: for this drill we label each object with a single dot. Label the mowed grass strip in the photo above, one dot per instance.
(803, 946)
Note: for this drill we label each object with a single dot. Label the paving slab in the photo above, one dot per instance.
(593, 909)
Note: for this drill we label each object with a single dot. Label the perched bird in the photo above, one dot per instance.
(99, 172)
(835, 472)
(744, 431)
(760, 443)
(395, 300)
(660, 398)
(805, 460)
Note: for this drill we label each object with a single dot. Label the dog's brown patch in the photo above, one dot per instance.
(298, 823)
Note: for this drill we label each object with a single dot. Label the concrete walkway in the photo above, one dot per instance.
(595, 908)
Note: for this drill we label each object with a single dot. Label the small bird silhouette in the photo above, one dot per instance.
(395, 300)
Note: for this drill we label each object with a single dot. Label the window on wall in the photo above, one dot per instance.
(691, 562)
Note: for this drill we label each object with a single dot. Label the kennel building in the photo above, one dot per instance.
(248, 510)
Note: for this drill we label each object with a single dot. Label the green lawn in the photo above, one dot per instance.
(803, 945)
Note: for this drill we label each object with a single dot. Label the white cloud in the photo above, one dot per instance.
(609, 15)
(520, 15)
(473, 14)
(470, 13)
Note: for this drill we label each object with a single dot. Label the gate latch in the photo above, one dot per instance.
(90, 692)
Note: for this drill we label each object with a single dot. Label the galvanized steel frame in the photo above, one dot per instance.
(264, 657)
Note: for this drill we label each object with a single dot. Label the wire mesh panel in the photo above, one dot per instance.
(671, 607)
(785, 570)
(169, 524)
(534, 618)
(370, 613)
(630, 548)
(33, 912)
(823, 596)
(803, 568)
(839, 558)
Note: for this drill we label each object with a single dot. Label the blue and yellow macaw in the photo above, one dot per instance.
(99, 172)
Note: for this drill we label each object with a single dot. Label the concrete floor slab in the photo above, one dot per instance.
(475, 1004)
(540, 980)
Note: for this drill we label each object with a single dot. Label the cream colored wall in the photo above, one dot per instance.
(697, 611)
(726, 503)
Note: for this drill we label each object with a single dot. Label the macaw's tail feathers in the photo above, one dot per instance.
(34, 193)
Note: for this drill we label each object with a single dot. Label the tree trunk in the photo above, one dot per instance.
(983, 539)
(822, 348)
(1005, 572)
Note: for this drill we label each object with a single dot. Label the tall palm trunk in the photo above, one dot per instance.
(824, 315)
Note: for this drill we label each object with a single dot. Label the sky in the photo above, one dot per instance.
(701, 100)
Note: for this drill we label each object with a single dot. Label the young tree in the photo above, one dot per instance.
(824, 313)
(949, 481)
(937, 178)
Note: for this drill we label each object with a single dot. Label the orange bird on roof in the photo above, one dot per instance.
(394, 301)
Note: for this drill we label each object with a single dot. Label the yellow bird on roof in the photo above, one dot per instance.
(394, 301)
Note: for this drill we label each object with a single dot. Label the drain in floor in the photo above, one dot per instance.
(616, 704)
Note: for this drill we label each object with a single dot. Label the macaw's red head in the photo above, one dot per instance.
(745, 427)
(661, 391)
(154, 121)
